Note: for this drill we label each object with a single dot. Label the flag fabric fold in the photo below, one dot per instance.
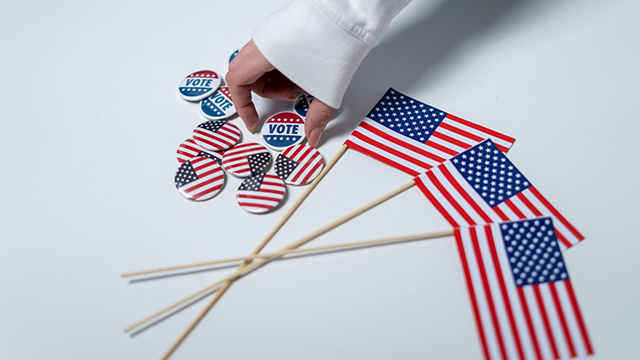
(414, 137)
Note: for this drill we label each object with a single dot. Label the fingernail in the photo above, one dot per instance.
(315, 135)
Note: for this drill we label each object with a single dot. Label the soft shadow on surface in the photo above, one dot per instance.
(415, 53)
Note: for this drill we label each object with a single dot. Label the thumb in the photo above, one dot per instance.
(318, 116)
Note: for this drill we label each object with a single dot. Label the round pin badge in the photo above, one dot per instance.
(233, 56)
(216, 135)
(188, 149)
(260, 193)
(246, 160)
(219, 105)
(302, 103)
(199, 178)
(299, 164)
(199, 85)
(283, 130)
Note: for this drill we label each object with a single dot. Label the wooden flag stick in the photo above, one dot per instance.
(311, 250)
(260, 246)
(259, 263)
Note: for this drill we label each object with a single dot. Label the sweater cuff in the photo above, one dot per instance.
(310, 49)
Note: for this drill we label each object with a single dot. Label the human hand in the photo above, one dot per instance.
(250, 71)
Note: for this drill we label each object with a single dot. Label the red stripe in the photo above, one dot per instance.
(450, 198)
(214, 136)
(459, 131)
(451, 140)
(442, 148)
(232, 137)
(381, 158)
(487, 291)
(502, 215)
(563, 319)
(212, 171)
(545, 320)
(231, 128)
(494, 133)
(413, 148)
(390, 150)
(555, 212)
(243, 150)
(578, 315)
(567, 244)
(465, 194)
(305, 165)
(189, 147)
(208, 142)
(307, 150)
(257, 197)
(515, 209)
(435, 202)
(256, 205)
(315, 167)
(527, 316)
(529, 205)
(272, 191)
(470, 290)
(503, 289)
(242, 163)
(204, 183)
(207, 191)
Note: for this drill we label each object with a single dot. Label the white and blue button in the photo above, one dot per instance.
(283, 130)
(302, 103)
(218, 106)
(199, 85)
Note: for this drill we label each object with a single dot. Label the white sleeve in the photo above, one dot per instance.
(319, 44)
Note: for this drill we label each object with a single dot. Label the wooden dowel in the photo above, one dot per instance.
(390, 240)
(260, 246)
(264, 242)
(259, 263)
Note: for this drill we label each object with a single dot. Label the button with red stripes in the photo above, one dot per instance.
(216, 135)
(199, 178)
(218, 106)
(246, 160)
(199, 85)
(188, 149)
(299, 164)
(260, 193)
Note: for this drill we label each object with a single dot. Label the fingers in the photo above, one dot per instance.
(274, 85)
(317, 118)
(248, 67)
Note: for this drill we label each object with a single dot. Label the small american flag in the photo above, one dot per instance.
(521, 294)
(414, 137)
(216, 135)
(260, 193)
(481, 186)
(199, 179)
(246, 159)
(299, 164)
(188, 149)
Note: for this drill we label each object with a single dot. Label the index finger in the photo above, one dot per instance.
(247, 70)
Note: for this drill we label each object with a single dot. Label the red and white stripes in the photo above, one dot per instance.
(310, 164)
(541, 321)
(236, 160)
(210, 180)
(223, 138)
(270, 193)
(461, 205)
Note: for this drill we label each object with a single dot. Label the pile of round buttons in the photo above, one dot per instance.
(214, 149)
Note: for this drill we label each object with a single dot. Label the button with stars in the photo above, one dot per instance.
(260, 193)
(199, 178)
(302, 103)
(299, 164)
(283, 130)
(218, 106)
(199, 85)
(246, 160)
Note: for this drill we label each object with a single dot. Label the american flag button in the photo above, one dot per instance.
(219, 105)
(246, 160)
(199, 178)
(199, 85)
(260, 193)
(216, 135)
(283, 130)
(233, 56)
(188, 149)
(301, 105)
(299, 164)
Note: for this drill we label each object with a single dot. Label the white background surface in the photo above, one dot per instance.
(91, 121)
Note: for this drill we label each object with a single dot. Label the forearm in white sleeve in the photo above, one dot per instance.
(319, 44)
